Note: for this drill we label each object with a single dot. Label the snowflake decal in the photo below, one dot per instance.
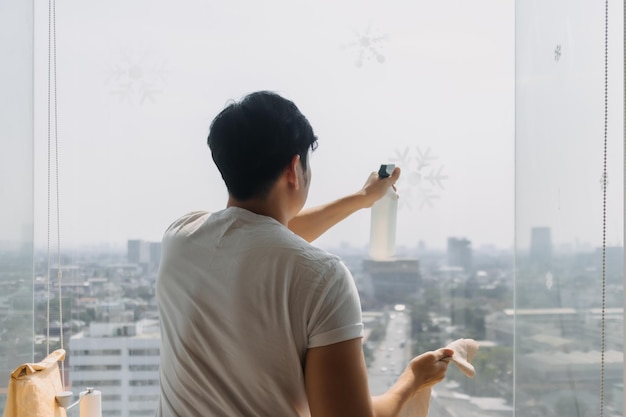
(368, 46)
(138, 76)
(557, 52)
(422, 177)
(549, 280)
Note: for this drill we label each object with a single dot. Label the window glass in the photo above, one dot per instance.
(16, 188)
(429, 87)
(560, 115)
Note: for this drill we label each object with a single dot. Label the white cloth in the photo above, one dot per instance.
(241, 299)
(464, 352)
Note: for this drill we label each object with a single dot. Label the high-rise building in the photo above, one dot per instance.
(613, 263)
(121, 360)
(155, 254)
(541, 246)
(394, 281)
(146, 254)
(460, 253)
(138, 251)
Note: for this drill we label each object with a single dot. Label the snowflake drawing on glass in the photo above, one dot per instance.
(422, 177)
(367, 46)
(138, 76)
(557, 53)
(549, 280)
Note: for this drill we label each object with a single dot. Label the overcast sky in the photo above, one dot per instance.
(427, 85)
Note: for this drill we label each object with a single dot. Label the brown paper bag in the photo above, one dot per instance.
(33, 387)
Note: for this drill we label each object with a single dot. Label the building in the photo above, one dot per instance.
(394, 281)
(155, 254)
(547, 377)
(613, 263)
(541, 246)
(121, 360)
(556, 329)
(459, 253)
(138, 252)
(146, 254)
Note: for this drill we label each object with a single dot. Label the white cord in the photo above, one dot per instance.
(53, 122)
(604, 183)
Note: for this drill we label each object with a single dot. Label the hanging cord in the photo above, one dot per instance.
(56, 147)
(49, 176)
(604, 183)
(53, 121)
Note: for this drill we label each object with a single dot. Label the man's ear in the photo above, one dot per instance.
(293, 178)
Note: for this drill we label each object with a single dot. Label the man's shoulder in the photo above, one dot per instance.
(190, 218)
(317, 260)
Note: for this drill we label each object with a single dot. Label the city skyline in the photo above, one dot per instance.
(565, 247)
(571, 246)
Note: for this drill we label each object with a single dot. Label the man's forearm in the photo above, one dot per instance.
(387, 405)
(390, 403)
(311, 223)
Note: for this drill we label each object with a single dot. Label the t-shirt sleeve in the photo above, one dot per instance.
(336, 316)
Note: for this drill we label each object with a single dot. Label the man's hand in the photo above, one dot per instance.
(430, 368)
(375, 187)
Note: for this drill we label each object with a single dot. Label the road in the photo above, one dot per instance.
(392, 355)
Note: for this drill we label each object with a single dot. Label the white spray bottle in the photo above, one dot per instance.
(383, 221)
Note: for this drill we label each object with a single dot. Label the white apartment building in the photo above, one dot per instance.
(122, 361)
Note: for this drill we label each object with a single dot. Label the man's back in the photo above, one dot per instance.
(241, 300)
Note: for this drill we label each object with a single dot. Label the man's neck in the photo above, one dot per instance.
(265, 207)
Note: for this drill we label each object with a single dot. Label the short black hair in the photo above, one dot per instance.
(252, 141)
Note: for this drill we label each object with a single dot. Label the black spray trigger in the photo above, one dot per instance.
(386, 170)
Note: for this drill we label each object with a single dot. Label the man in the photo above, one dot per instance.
(255, 320)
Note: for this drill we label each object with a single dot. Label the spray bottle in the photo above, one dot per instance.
(383, 221)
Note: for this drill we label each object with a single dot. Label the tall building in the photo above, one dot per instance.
(613, 263)
(121, 360)
(460, 253)
(394, 281)
(138, 251)
(146, 254)
(541, 246)
(155, 254)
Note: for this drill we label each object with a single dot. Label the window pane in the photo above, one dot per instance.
(388, 83)
(425, 85)
(559, 209)
(16, 188)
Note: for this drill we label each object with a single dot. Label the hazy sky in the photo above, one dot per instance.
(427, 85)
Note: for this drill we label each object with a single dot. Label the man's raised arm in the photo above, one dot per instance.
(311, 223)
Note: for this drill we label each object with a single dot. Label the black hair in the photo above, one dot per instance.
(252, 141)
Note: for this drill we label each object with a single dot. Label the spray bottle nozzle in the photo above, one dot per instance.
(386, 170)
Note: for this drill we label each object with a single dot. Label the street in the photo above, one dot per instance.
(392, 354)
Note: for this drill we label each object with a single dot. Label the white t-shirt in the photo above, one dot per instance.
(241, 299)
